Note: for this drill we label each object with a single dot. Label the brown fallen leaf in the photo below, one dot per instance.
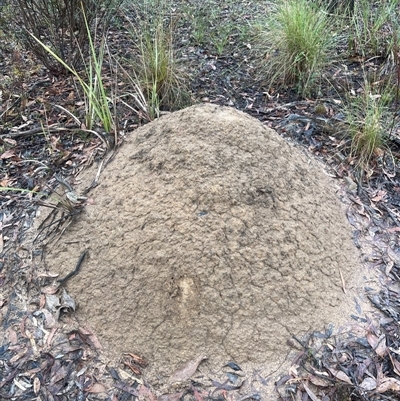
(187, 370)
(36, 385)
(7, 154)
(389, 383)
(51, 336)
(97, 388)
(89, 334)
(377, 343)
(137, 359)
(340, 375)
(145, 393)
(372, 339)
(133, 368)
(12, 336)
(42, 301)
(368, 384)
(171, 397)
(18, 356)
(49, 290)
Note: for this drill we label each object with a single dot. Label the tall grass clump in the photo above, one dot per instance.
(91, 82)
(155, 70)
(299, 44)
(367, 115)
(372, 27)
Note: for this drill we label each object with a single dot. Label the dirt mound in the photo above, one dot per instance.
(209, 235)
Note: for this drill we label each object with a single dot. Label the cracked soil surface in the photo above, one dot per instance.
(209, 234)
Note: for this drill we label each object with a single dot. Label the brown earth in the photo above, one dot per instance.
(209, 235)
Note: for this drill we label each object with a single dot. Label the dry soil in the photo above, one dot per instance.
(209, 235)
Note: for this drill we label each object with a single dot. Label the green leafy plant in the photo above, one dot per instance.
(297, 37)
(96, 99)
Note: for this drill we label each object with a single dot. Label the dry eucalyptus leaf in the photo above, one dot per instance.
(171, 397)
(187, 370)
(381, 347)
(12, 336)
(49, 290)
(36, 385)
(340, 375)
(97, 388)
(372, 339)
(89, 333)
(368, 384)
(387, 384)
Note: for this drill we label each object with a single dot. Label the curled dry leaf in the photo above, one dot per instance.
(187, 370)
(126, 388)
(52, 303)
(67, 301)
(381, 349)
